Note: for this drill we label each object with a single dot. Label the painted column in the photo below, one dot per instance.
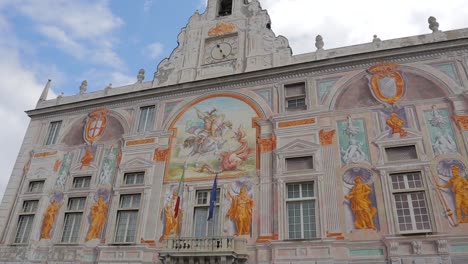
(266, 147)
(331, 164)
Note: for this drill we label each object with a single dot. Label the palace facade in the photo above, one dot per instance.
(349, 155)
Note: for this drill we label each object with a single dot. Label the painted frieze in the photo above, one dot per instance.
(353, 141)
(453, 186)
(440, 131)
(216, 135)
(50, 215)
(360, 200)
(98, 214)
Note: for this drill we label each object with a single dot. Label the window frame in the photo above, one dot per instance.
(81, 177)
(136, 174)
(148, 124)
(387, 160)
(52, 140)
(29, 191)
(72, 211)
(287, 170)
(408, 191)
(304, 96)
(207, 205)
(301, 199)
(121, 209)
(26, 236)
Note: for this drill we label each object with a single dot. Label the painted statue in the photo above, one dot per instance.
(361, 205)
(443, 143)
(241, 211)
(353, 153)
(98, 218)
(108, 167)
(87, 158)
(459, 186)
(172, 223)
(396, 124)
(64, 170)
(49, 219)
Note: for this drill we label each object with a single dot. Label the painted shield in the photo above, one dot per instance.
(387, 84)
(95, 125)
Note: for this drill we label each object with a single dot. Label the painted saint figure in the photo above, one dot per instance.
(98, 218)
(49, 219)
(459, 187)
(241, 211)
(361, 205)
(354, 152)
(172, 223)
(444, 143)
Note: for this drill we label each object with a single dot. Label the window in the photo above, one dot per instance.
(410, 202)
(134, 178)
(127, 215)
(299, 163)
(81, 182)
(35, 186)
(300, 206)
(72, 222)
(146, 118)
(203, 227)
(53, 132)
(225, 8)
(25, 221)
(295, 96)
(401, 153)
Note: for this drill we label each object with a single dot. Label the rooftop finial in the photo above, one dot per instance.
(141, 76)
(107, 89)
(83, 86)
(376, 41)
(319, 42)
(433, 24)
(45, 92)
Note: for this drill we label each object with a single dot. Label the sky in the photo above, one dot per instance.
(108, 41)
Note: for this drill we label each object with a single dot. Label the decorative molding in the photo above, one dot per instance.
(45, 154)
(222, 28)
(140, 142)
(462, 122)
(160, 155)
(57, 165)
(267, 144)
(150, 243)
(338, 236)
(300, 122)
(263, 239)
(326, 138)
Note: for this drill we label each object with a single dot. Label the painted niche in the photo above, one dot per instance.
(353, 141)
(215, 135)
(453, 185)
(360, 200)
(441, 131)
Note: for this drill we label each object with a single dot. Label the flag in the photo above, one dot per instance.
(179, 193)
(213, 197)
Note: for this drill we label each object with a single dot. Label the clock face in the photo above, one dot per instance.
(221, 49)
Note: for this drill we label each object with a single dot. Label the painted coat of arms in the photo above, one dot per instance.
(95, 125)
(214, 136)
(386, 83)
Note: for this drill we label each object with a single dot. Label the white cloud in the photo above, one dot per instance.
(154, 50)
(147, 5)
(343, 23)
(63, 41)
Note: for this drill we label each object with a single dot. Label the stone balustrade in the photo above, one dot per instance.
(207, 244)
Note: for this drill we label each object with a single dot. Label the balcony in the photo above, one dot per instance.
(204, 250)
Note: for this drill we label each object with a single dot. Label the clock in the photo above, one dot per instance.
(221, 49)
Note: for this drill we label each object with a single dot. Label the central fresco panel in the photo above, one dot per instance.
(214, 136)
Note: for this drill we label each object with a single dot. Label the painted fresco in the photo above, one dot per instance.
(238, 204)
(109, 165)
(395, 120)
(453, 185)
(360, 200)
(64, 170)
(441, 131)
(353, 141)
(97, 217)
(214, 136)
(50, 215)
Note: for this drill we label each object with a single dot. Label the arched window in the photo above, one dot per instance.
(225, 7)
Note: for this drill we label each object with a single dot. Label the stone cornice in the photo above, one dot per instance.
(268, 76)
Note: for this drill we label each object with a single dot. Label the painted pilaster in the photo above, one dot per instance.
(266, 210)
(153, 221)
(331, 164)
